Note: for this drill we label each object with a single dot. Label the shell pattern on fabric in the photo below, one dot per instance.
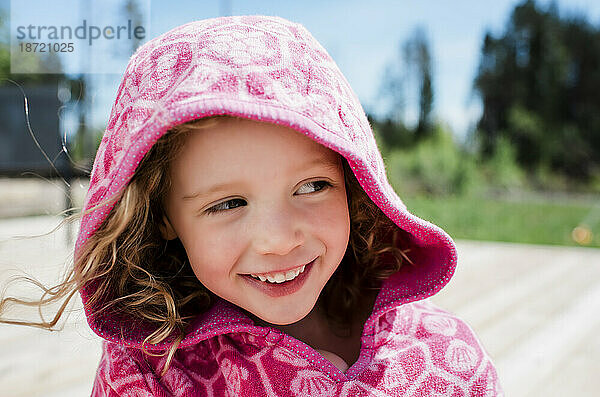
(408, 358)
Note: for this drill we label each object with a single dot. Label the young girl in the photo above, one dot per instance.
(240, 237)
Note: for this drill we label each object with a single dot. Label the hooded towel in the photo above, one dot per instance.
(272, 70)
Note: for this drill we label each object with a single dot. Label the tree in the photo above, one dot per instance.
(538, 82)
(418, 61)
(408, 83)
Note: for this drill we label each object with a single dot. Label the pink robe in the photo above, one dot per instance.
(413, 349)
(272, 70)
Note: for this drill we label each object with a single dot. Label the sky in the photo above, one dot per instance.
(363, 37)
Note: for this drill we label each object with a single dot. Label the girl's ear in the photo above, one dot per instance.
(166, 229)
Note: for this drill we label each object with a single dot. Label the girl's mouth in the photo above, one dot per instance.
(280, 277)
(281, 285)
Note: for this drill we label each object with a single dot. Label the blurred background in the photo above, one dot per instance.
(487, 114)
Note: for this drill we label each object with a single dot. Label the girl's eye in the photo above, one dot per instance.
(316, 185)
(225, 205)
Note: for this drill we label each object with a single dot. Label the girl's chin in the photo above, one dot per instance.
(275, 319)
(268, 321)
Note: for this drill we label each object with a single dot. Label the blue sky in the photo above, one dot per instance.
(363, 37)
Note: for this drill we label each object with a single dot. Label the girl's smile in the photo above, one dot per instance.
(262, 213)
(282, 275)
(286, 287)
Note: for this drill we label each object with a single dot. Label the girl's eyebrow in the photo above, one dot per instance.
(325, 161)
(213, 189)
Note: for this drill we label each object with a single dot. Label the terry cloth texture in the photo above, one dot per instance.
(272, 70)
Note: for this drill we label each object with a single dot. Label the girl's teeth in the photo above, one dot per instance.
(281, 277)
(278, 278)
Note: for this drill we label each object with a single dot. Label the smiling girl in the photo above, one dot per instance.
(240, 237)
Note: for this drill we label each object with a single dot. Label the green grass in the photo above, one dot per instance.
(509, 221)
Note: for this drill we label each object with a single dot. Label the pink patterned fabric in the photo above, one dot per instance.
(415, 349)
(270, 69)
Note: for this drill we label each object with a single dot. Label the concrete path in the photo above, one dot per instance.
(535, 308)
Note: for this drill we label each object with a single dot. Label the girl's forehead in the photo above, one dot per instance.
(242, 138)
(244, 148)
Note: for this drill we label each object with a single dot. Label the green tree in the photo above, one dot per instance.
(411, 68)
(418, 60)
(538, 82)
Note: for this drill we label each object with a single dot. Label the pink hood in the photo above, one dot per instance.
(261, 68)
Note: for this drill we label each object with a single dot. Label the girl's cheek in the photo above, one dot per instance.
(332, 213)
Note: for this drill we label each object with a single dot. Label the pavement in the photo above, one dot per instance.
(535, 309)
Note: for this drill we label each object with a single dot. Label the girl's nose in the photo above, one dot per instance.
(277, 231)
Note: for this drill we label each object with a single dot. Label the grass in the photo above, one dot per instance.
(538, 222)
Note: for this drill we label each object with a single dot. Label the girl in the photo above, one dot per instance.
(240, 237)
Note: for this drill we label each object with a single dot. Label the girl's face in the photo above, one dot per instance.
(262, 199)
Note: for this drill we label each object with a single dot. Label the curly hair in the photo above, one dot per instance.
(136, 272)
